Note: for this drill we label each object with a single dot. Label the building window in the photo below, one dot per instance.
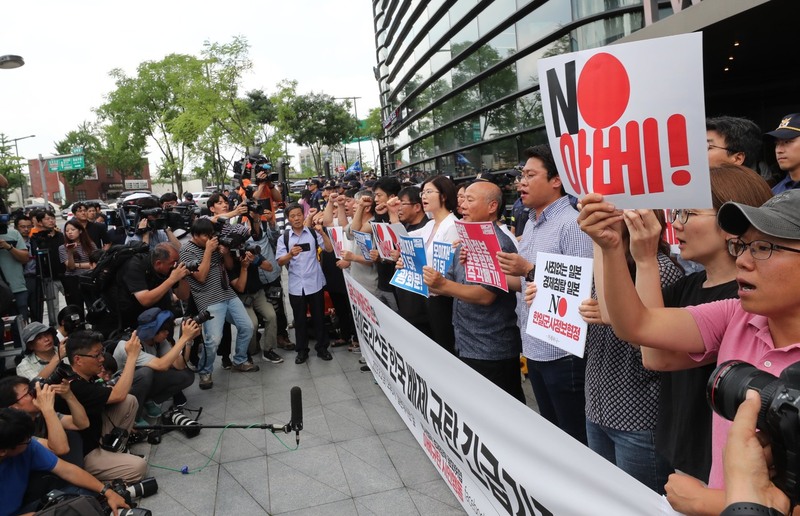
(109, 173)
(81, 195)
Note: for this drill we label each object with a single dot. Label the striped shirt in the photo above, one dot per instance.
(216, 288)
(555, 231)
(78, 256)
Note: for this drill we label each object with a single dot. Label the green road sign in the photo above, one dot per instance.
(66, 163)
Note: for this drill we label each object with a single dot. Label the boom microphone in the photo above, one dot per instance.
(296, 421)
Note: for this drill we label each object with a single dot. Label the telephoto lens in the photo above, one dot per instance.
(189, 426)
(202, 317)
(143, 489)
(728, 384)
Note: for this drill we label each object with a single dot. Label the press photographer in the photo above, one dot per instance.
(40, 356)
(150, 280)
(161, 371)
(154, 224)
(21, 455)
(111, 410)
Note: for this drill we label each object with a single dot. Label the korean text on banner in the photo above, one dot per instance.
(478, 437)
(364, 242)
(442, 256)
(337, 239)
(386, 237)
(628, 121)
(412, 251)
(563, 282)
(481, 244)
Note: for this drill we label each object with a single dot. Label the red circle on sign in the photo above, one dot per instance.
(681, 177)
(562, 306)
(603, 90)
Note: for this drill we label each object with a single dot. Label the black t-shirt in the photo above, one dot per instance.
(334, 279)
(253, 283)
(683, 433)
(98, 233)
(137, 275)
(93, 397)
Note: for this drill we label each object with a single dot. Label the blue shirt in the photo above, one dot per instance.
(555, 231)
(784, 184)
(14, 472)
(305, 272)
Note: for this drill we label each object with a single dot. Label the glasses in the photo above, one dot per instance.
(759, 249)
(712, 146)
(682, 215)
(524, 178)
(96, 356)
(429, 192)
(29, 392)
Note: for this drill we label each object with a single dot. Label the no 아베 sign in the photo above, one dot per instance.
(628, 121)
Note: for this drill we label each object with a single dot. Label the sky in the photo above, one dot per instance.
(70, 47)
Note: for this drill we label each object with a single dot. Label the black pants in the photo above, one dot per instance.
(440, 317)
(280, 308)
(341, 303)
(503, 373)
(316, 305)
(72, 292)
(35, 299)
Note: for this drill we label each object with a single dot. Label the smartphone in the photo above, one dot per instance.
(70, 245)
(305, 246)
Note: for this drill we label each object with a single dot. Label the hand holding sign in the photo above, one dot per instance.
(645, 234)
(601, 221)
(433, 278)
(513, 264)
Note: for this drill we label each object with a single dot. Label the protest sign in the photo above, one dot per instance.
(337, 239)
(442, 256)
(364, 243)
(628, 121)
(412, 251)
(386, 237)
(480, 242)
(478, 437)
(563, 282)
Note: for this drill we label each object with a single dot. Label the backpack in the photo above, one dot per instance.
(101, 277)
(316, 240)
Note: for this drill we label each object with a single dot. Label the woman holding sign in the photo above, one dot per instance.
(759, 328)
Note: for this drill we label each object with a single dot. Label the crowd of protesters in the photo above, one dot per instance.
(636, 397)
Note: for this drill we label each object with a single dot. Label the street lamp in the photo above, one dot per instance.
(15, 140)
(9, 61)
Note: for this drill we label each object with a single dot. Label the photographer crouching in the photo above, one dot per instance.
(161, 371)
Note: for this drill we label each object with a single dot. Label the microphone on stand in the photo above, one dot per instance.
(295, 419)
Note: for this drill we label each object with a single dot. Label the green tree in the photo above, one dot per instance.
(315, 120)
(84, 136)
(122, 150)
(10, 168)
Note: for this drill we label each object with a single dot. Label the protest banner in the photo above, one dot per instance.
(442, 256)
(386, 237)
(479, 438)
(364, 243)
(337, 239)
(563, 283)
(481, 244)
(412, 251)
(628, 121)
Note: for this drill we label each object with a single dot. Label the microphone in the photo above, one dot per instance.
(296, 420)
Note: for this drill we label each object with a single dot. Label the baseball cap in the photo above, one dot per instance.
(316, 182)
(778, 217)
(330, 185)
(788, 129)
(150, 321)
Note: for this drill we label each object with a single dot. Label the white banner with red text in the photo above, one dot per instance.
(497, 455)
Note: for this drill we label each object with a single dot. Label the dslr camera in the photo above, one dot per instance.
(779, 417)
(62, 372)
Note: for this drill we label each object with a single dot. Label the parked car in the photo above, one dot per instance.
(200, 198)
(126, 193)
(298, 186)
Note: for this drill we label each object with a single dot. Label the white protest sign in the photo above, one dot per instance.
(478, 437)
(563, 282)
(628, 121)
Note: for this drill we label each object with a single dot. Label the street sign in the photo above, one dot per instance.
(66, 163)
(77, 150)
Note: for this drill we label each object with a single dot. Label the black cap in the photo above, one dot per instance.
(330, 185)
(788, 129)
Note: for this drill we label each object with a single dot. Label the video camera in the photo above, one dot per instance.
(248, 168)
(779, 417)
(161, 219)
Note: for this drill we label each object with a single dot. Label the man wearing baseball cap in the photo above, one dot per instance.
(787, 151)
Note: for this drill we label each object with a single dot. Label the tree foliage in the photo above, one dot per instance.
(10, 168)
(84, 136)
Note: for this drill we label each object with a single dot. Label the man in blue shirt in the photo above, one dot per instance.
(787, 151)
(298, 251)
(20, 455)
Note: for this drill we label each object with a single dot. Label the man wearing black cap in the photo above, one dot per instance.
(787, 151)
(327, 190)
(315, 187)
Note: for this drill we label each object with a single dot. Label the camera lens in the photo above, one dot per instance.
(728, 384)
(143, 489)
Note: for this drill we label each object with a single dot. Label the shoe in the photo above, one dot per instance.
(152, 408)
(362, 361)
(338, 343)
(325, 355)
(271, 356)
(226, 363)
(365, 368)
(205, 381)
(179, 399)
(354, 347)
(249, 360)
(245, 367)
(139, 423)
(302, 356)
(285, 343)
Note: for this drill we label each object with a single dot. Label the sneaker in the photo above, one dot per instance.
(244, 367)
(139, 423)
(226, 363)
(365, 368)
(179, 399)
(152, 408)
(271, 356)
(205, 381)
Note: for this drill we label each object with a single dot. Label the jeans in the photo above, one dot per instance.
(233, 311)
(634, 452)
(558, 386)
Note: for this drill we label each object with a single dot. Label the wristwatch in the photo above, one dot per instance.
(529, 275)
(106, 487)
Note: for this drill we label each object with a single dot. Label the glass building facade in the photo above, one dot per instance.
(458, 78)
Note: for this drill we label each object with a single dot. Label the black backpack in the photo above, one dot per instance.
(101, 277)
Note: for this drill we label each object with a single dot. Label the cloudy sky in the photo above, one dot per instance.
(69, 48)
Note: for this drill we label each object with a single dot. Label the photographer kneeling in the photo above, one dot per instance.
(161, 371)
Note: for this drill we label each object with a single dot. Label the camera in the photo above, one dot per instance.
(143, 489)
(189, 426)
(232, 240)
(192, 265)
(4, 218)
(115, 441)
(202, 317)
(62, 372)
(248, 168)
(778, 417)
